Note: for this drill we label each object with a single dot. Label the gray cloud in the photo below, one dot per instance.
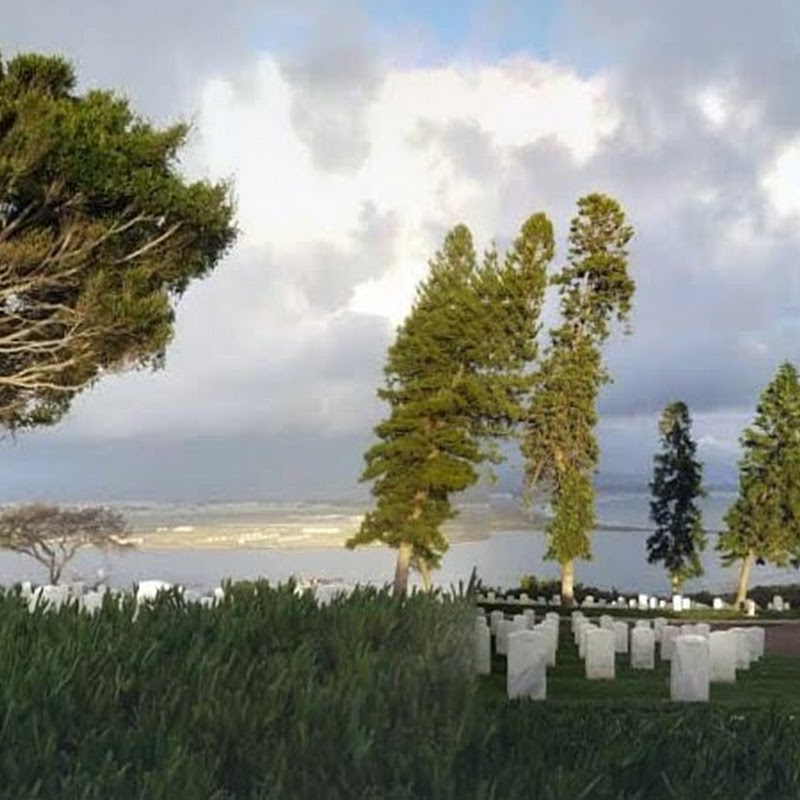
(713, 314)
(334, 75)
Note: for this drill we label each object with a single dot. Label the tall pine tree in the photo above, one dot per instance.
(763, 524)
(454, 381)
(678, 538)
(559, 443)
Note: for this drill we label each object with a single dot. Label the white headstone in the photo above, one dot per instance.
(633, 602)
(717, 604)
(490, 596)
(526, 674)
(688, 630)
(687, 604)
(501, 640)
(643, 646)
(653, 603)
(722, 650)
(483, 649)
(524, 598)
(641, 623)
(494, 620)
(542, 601)
(621, 637)
(588, 601)
(530, 614)
(552, 616)
(690, 670)
(519, 622)
(607, 622)
(756, 641)
(677, 602)
(586, 629)
(658, 625)
(668, 636)
(750, 607)
(642, 601)
(662, 603)
(148, 590)
(92, 602)
(600, 654)
(777, 602)
(550, 632)
(556, 601)
(702, 629)
(742, 648)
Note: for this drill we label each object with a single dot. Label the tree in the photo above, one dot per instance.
(559, 444)
(99, 235)
(454, 380)
(54, 535)
(678, 539)
(763, 523)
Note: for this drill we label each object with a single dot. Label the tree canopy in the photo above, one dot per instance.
(559, 443)
(455, 377)
(763, 524)
(678, 538)
(53, 535)
(99, 235)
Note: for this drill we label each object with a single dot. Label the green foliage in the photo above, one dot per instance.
(264, 696)
(455, 378)
(269, 696)
(99, 234)
(678, 539)
(764, 520)
(559, 443)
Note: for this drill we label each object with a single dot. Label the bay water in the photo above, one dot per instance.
(501, 557)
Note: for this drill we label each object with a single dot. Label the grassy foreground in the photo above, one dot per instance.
(269, 697)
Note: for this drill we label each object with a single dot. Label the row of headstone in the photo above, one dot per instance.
(779, 604)
(54, 597)
(529, 649)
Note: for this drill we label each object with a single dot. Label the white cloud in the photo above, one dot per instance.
(781, 180)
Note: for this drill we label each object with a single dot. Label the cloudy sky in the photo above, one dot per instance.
(357, 133)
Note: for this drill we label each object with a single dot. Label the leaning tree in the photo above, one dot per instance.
(53, 535)
(99, 235)
(559, 442)
(678, 538)
(455, 377)
(763, 523)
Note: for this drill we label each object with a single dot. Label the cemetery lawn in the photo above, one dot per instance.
(772, 681)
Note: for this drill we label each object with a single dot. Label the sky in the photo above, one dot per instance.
(358, 133)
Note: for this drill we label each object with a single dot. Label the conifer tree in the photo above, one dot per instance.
(559, 443)
(763, 524)
(455, 378)
(100, 234)
(678, 538)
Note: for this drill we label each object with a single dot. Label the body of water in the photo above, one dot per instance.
(501, 558)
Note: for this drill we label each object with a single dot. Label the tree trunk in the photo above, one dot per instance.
(568, 583)
(425, 573)
(401, 570)
(744, 577)
(676, 584)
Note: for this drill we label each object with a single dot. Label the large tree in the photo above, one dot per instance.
(559, 443)
(678, 538)
(455, 377)
(99, 235)
(763, 524)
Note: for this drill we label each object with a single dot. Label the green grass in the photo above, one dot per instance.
(772, 681)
